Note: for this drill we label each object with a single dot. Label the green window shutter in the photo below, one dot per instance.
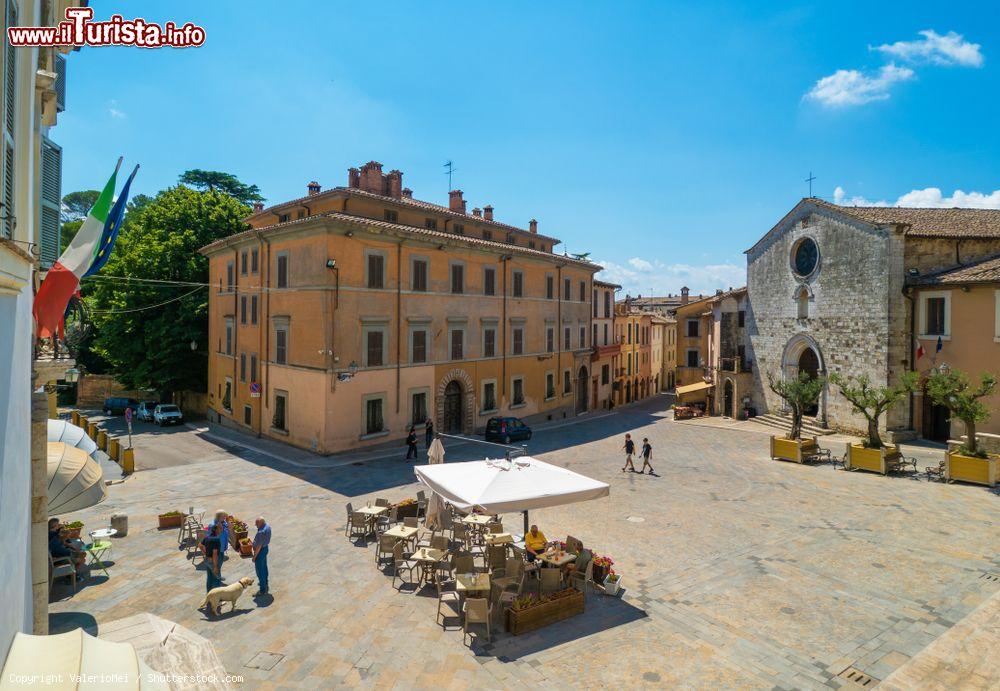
(49, 223)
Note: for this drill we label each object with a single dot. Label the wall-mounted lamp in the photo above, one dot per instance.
(331, 263)
(349, 234)
(353, 368)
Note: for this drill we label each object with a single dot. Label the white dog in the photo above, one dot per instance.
(228, 593)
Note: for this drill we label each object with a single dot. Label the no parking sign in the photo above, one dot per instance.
(254, 390)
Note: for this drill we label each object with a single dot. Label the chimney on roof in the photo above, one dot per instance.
(455, 201)
(684, 295)
(488, 212)
(353, 178)
(477, 212)
(394, 184)
(371, 177)
(718, 291)
(533, 226)
(407, 193)
(258, 207)
(313, 188)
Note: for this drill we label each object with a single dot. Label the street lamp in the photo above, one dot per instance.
(353, 368)
(194, 345)
(72, 375)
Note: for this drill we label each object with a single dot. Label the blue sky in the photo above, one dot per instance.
(664, 138)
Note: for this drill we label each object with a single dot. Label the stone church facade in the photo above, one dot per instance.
(827, 292)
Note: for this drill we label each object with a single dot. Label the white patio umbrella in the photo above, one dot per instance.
(75, 660)
(76, 480)
(435, 454)
(503, 486)
(68, 433)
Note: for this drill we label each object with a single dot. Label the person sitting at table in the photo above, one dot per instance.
(60, 547)
(583, 557)
(534, 543)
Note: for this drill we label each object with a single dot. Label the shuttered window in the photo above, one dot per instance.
(51, 200)
(282, 270)
(489, 342)
(518, 284)
(376, 271)
(374, 344)
(517, 342)
(419, 275)
(419, 353)
(9, 117)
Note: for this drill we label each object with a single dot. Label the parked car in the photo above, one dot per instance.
(146, 409)
(167, 414)
(117, 405)
(504, 430)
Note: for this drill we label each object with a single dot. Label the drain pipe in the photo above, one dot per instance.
(913, 364)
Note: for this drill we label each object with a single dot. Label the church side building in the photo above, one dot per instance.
(827, 292)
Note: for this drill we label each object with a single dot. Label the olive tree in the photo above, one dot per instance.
(954, 391)
(872, 401)
(799, 393)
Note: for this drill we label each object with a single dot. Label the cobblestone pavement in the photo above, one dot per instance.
(740, 571)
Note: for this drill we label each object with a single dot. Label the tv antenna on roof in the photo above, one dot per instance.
(451, 169)
(810, 181)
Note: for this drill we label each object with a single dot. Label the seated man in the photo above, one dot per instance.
(58, 547)
(534, 543)
(583, 557)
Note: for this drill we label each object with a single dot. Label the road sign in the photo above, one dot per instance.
(254, 390)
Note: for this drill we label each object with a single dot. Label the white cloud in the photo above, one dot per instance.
(643, 277)
(854, 88)
(950, 49)
(929, 197)
(115, 112)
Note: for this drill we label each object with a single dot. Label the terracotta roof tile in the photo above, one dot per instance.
(930, 223)
(983, 271)
(433, 235)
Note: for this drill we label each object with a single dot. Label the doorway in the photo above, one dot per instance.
(809, 364)
(729, 399)
(581, 390)
(936, 421)
(453, 408)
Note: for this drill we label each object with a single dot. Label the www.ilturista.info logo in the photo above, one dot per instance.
(79, 29)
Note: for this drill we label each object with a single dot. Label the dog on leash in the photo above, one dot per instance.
(227, 593)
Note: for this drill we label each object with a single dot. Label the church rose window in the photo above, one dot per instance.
(805, 256)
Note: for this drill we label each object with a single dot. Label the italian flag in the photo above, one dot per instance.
(87, 253)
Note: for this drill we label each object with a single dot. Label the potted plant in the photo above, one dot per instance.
(613, 583)
(800, 394)
(953, 390)
(602, 567)
(237, 531)
(71, 531)
(246, 547)
(171, 519)
(407, 508)
(872, 402)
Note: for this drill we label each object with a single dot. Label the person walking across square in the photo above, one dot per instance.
(647, 454)
(261, 543)
(629, 451)
(411, 443)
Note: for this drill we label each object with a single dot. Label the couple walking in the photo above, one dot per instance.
(411, 439)
(647, 455)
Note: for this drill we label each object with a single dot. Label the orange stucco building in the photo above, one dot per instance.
(961, 307)
(346, 315)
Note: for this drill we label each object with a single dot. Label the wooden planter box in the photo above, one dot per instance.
(795, 450)
(981, 471)
(407, 511)
(70, 533)
(236, 536)
(246, 549)
(172, 521)
(872, 460)
(525, 620)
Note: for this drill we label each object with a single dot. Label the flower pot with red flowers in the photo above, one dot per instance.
(602, 567)
(237, 531)
(612, 583)
(71, 531)
(246, 547)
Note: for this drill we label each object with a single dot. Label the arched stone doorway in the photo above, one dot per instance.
(729, 398)
(803, 354)
(455, 403)
(581, 390)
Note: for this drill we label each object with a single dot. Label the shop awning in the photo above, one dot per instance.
(74, 660)
(502, 486)
(68, 433)
(693, 388)
(76, 480)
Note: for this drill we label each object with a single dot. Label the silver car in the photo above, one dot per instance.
(167, 414)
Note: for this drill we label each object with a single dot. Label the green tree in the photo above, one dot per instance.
(872, 401)
(227, 183)
(75, 205)
(800, 394)
(144, 330)
(955, 392)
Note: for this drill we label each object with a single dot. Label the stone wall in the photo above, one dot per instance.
(848, 319)
(92, 389)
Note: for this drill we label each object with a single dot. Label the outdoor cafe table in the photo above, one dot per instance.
(557, 558)
(477, 520)
(428, 559)
(472, 583)
(402, 532)
(499, 539)
(372, 512)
